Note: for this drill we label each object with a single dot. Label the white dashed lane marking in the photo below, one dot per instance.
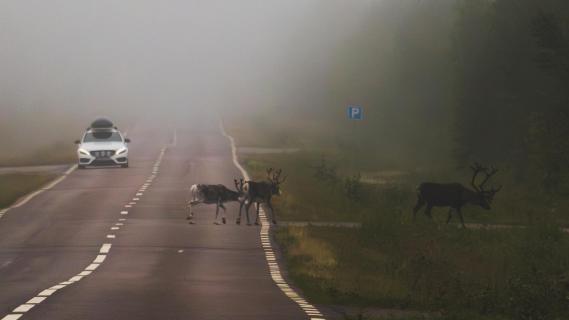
(312, 312)
(105, 249)
(36, 300)
(100, 258)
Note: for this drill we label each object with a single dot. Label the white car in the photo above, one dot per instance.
(102, 146)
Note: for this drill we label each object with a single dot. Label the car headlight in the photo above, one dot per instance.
(122, 150)
(83, 151)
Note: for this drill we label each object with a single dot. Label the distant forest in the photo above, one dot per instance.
(449, 82)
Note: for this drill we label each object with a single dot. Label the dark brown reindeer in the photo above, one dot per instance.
(217, 194)
(455, 195)
(259, 192)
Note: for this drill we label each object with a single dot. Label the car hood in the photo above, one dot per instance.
(95, 146)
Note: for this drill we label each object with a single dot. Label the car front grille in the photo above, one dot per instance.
(103, 153)
(103, 162)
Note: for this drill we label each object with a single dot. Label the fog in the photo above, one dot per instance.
(68, 61)
(65, 62)
(436, 78)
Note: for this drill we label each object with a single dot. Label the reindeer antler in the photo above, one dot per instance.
(489, 173)
(477, 168)
(239, 184)
(277, 177)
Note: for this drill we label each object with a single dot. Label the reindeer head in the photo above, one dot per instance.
(240, 187)
(274, 177)
(485, 197)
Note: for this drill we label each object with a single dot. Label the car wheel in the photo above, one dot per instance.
(124, 165)
(81, 166)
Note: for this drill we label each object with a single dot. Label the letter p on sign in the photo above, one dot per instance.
(355, 113)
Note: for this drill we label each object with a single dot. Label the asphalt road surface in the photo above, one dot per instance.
(157, 266)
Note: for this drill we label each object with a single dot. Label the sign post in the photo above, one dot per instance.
(355, 113)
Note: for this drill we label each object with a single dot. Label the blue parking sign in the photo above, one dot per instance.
(355, 113)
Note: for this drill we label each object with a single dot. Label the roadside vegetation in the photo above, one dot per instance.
(14, 186)
(396, 262)
(482, 81)
(57, 153)
(462, 274)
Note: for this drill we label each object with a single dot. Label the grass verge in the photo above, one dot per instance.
(395, 262)
(461, 274)
(58, 153)
(14, 186)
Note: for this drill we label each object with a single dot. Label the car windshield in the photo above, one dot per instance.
(102, 136)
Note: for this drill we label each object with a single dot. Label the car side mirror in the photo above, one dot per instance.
(77, 142)
(127, 140)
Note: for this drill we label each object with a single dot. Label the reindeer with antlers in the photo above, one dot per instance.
(262, 192)
(217, 194)
(455, 195)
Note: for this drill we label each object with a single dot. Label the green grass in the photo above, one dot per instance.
(517, 274)
(308, 198)
(305, 202)
(424, 265)
(395, 262)
(14, 186)
(521, 201)
(58, 153)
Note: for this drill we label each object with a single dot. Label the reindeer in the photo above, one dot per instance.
(217, 194)
(262, 192)
(455, 195)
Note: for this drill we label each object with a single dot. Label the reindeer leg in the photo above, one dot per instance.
(258, 209)
(461, 219)
(241, 204)
(272, 212)
(191, 213)
(216, 213)
(247, 212)
(449, 215)
(223, 219)
(428, 211)
(418, 206)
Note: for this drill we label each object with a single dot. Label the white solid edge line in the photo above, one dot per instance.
(99, 259)
(269, 255)
(32, 195)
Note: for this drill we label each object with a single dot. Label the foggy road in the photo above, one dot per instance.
(111, 243)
